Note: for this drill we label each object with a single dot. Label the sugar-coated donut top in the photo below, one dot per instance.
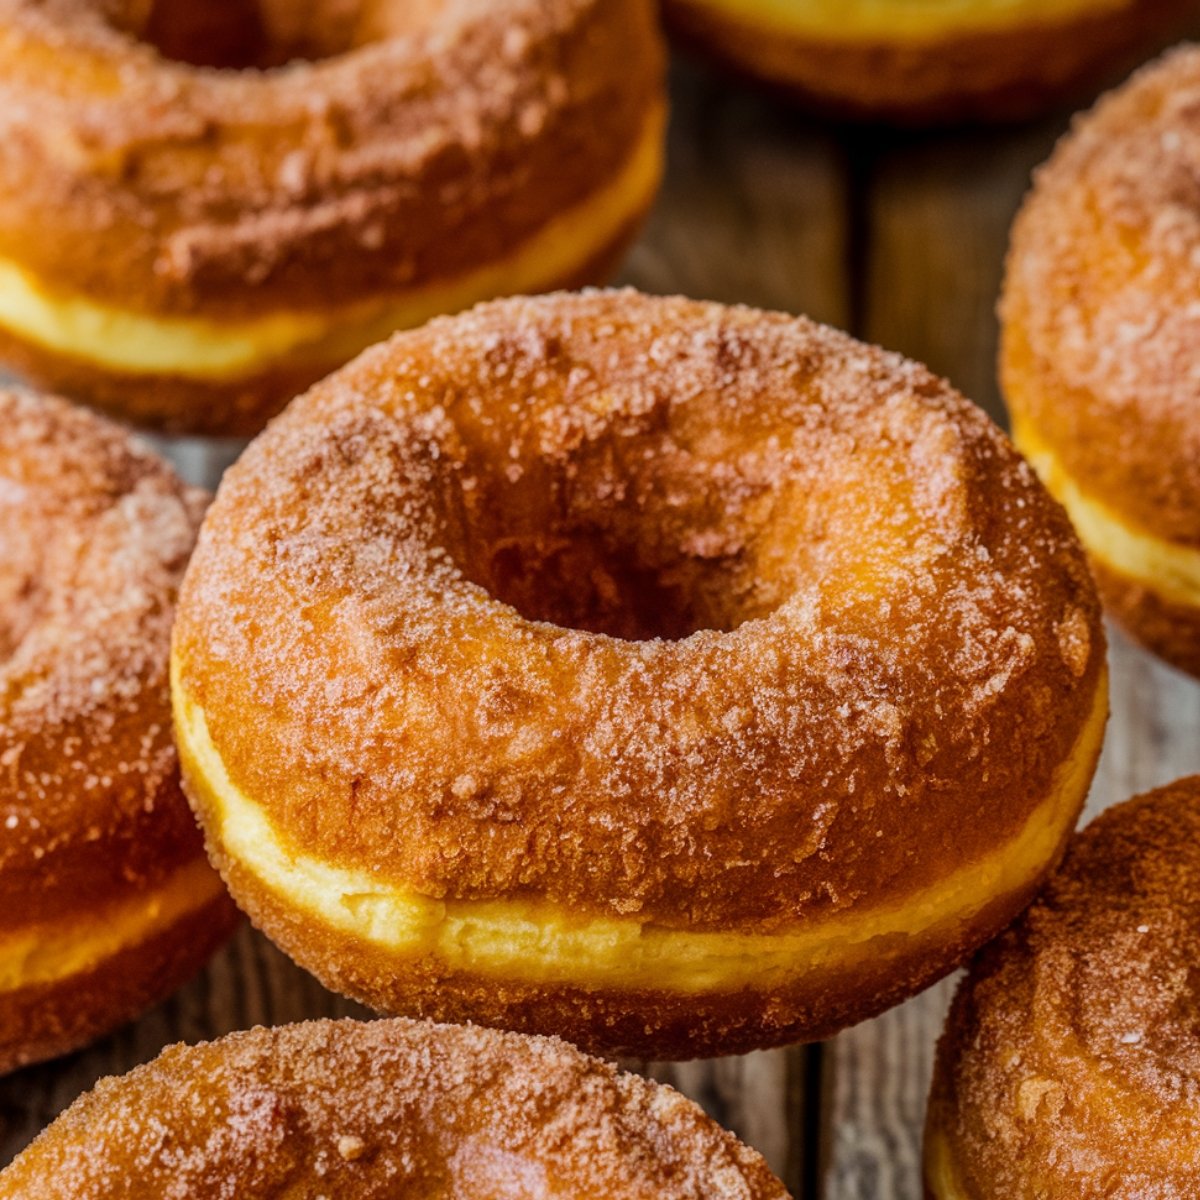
(421, 146)
(856, 636)
(1077, 1062)
(1102, 285)
(94, 536)
(382, 1110)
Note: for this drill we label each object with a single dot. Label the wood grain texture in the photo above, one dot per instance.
(754, 208)
(935, 226)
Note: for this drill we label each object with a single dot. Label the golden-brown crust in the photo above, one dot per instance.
(646, 467)
(422, 153)
(359, 1110)
(94, 535)
(1070, 1065)
(218, 408)
(1100, 321)
(1002, 74)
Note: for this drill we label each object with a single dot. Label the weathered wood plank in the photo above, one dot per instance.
(754, 209)
(936, 229)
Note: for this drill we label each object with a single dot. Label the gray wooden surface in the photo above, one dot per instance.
(899, 238)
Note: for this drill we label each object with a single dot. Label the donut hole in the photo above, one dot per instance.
(638, 550)
(580, 580)
(261, 34)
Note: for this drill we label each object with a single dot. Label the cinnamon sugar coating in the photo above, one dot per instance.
(1004, 73)
(94, 536)
(385, 1109)
(351, 150)
(647, 608)
(1070, 1065)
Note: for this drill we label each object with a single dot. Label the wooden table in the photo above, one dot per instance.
(899, 238)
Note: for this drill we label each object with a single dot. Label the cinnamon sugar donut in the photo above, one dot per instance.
(1070, 1066)
(380, 1110)
(551, 667)
(931, 60)
(1101, 347)
(106, 900)
(223, 237)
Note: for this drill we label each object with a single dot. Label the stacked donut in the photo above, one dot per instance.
(741, 764)
(372, 1111)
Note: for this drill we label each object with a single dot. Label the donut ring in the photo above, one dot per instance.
(223, 238)
(1100, 362)
(372, 1111)
(1070, 1066)
(930, 61)
(106, 900)
(547, 668)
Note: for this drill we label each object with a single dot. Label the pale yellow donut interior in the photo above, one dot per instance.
(893, 20)
(1165, 568)
(941, 1175)
(50, 952)
(543, 943)
(128, 341)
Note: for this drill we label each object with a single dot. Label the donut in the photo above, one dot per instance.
(107, 902)
(930, 61)
(552, 667)
(382, 1109)
(1070, 1066)
(1101, 348)
(245, 195)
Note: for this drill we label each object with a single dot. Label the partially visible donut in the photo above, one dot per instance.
(1070, 1065)
(106, 900)
(384, 1110)
(931, 61)
(676, 678)
(1101, 347)
(223, 238)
